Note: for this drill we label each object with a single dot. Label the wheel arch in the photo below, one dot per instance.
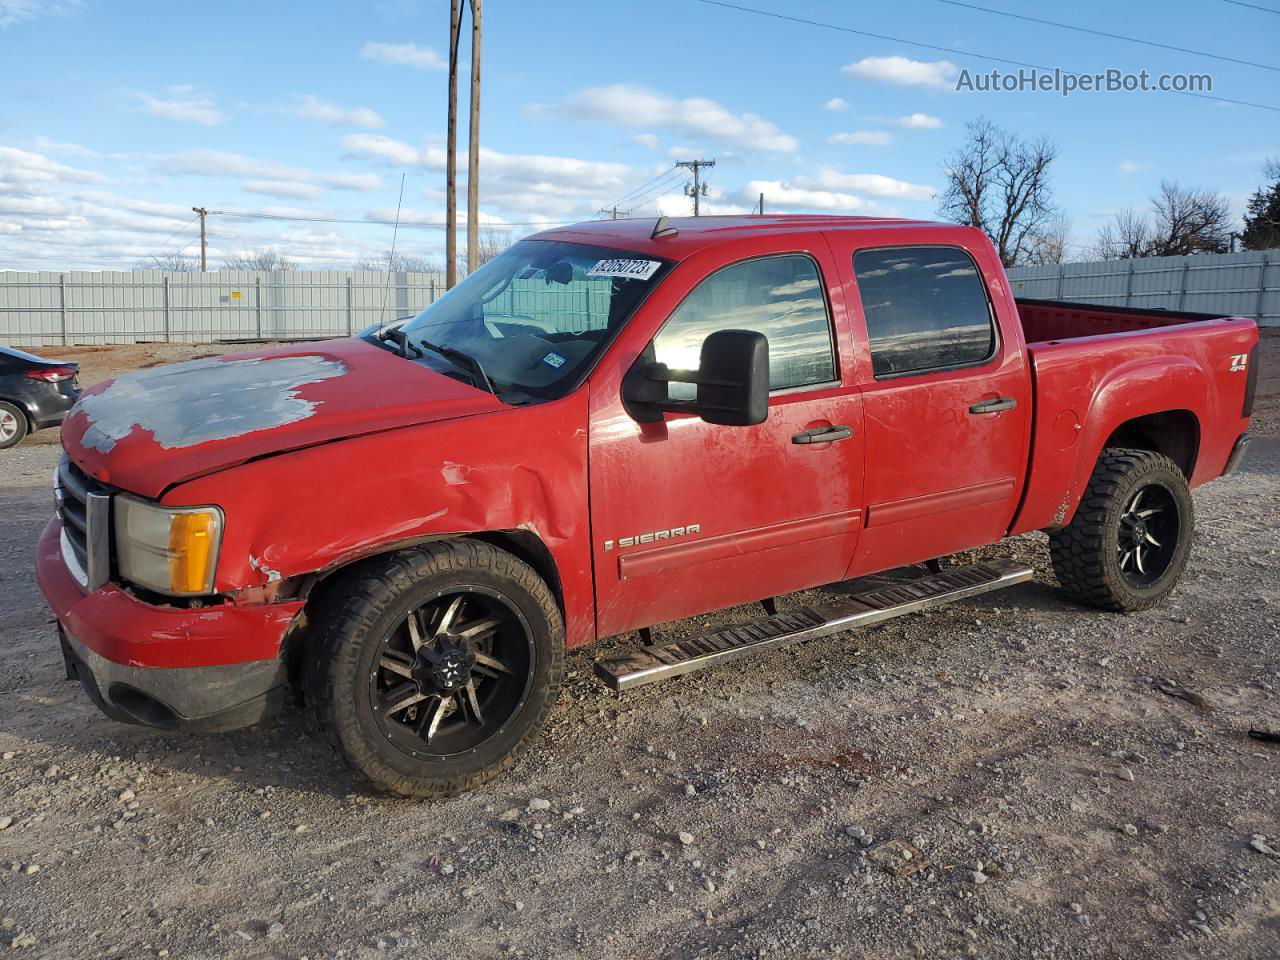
(24, 407)
(317, 589)
(1174, 433)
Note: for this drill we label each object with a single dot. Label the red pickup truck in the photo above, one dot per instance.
(607, 427)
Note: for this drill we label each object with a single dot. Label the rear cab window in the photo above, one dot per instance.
(780, 296)
(926, 309)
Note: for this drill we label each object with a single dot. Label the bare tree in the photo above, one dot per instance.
(389, 262)
(174, 262)
(1190, 221)
(1127, 236)
(1000, 183)
(491, 243)
(267, 259)
(1052, 242)
(1182, 221)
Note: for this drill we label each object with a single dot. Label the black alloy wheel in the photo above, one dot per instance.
(452, 674)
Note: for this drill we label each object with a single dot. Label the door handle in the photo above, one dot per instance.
(994, 406)
(823, 435)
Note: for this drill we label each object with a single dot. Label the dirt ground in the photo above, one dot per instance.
(1059, 803)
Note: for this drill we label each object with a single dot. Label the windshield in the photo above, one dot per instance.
(529, 323)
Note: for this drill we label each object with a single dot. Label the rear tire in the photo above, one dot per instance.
(13, 425)
(1130, 538)
(435, 667)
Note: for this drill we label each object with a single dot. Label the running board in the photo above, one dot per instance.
(664, 660)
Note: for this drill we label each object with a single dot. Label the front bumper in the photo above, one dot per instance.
(212, 668)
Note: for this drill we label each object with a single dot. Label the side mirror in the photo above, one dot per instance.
(732, 382)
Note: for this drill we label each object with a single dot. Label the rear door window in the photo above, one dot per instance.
(926, 308)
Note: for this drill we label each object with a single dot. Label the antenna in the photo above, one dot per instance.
(391, 258)
(661, 230)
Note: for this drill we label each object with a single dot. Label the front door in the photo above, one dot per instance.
(946, 399)
(688, 516)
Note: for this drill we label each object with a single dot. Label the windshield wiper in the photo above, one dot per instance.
(464, 360)
(397, 336)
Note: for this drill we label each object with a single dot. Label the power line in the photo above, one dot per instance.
(951, 50)
(1104, 33)
(383, 223)
(1252, 6)
(658, 189)
(660, 176)
(169, 239)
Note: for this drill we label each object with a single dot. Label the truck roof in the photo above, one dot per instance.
(699, 233)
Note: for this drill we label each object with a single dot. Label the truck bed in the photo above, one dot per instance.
(1046, 321)
(1094, 368)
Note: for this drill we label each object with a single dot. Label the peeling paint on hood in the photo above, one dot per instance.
(150, 430)
(185, 404)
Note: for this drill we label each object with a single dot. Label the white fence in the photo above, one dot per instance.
(1229, 284)
(81, 307)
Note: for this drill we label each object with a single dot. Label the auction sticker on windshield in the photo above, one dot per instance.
(629, 269)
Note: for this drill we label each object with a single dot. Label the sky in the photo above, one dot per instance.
(118, 117)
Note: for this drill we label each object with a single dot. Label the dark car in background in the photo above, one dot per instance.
(34, 393)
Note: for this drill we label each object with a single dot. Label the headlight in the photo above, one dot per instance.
(171, 550)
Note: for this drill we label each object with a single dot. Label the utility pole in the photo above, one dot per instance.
(473, 152)
(614, 212)
(698, 189)
(451, 160)
(762, 203)
(204, 241)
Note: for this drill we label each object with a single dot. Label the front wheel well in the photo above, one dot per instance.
(1174, 433)
(319, 589)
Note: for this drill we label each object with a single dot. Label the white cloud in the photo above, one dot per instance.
(69, 149)
(836, 104)
(918, 121)
(283, 188)
(1132, 166)
(869, 138)
(184, 104)
(315, 109)
(529, 184)
(16, 11)
(873, 184)
(780, 194)
(647, 140)
(218, 163)
(904, 71)
(375, 145)
(636, 106)
(403, 55)
(350, 181)
(23, 166)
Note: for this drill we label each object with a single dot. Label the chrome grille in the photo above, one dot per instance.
(84, 506)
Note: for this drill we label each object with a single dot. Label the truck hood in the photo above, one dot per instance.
(148, 430)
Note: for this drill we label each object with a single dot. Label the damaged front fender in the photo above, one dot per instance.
(315, 510)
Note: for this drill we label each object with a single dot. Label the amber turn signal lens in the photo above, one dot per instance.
(192, 537)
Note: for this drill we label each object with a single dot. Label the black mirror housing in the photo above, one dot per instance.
(733, 378)
(732, 381)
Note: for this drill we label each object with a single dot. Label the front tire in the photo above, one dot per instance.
(13, 425)
(1130, 538)
(435, 667)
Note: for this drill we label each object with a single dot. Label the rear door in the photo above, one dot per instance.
(946, 397)
(689, 516)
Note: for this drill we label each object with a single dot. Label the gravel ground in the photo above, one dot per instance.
(1054, 801)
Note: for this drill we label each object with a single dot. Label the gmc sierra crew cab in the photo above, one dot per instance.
(611, 426)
